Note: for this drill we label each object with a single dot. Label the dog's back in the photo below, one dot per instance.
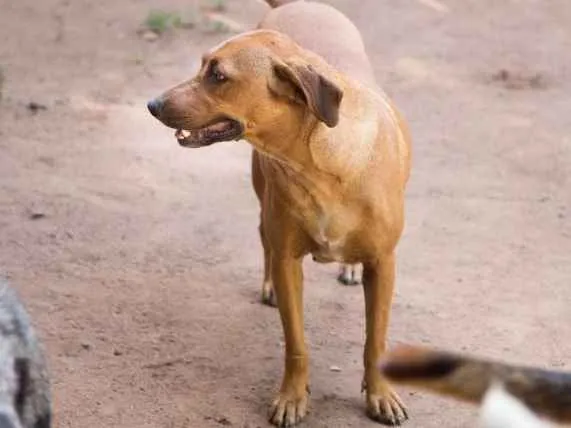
(324, 30)
(24, 386)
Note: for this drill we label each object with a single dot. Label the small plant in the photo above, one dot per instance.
(215, 26)
(209, 19)
(160, 21)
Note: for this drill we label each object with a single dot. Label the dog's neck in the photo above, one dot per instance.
(289, 149)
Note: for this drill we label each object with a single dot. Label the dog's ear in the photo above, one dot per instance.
(303, 83)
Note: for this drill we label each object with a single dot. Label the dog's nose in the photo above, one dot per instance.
(155, 106)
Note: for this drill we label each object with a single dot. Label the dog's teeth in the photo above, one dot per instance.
(181, 134)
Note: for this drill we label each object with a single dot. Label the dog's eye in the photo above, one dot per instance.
(218, 76)
(215, 75)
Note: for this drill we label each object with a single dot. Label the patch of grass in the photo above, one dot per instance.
(209, 18)
(214, 26)
(160, 21)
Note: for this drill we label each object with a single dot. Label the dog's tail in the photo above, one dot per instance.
(546, 392)
(278, 3)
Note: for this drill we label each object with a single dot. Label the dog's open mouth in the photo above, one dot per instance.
(224, 129)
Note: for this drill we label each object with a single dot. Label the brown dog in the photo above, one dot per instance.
(546, 392)
(330, 165)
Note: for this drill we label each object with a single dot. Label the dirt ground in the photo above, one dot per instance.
(140, 260)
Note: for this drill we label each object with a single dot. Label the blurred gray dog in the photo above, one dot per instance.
(25, 400)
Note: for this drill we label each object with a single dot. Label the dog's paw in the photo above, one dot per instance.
(268, 295)
(289, 409)
(350, 274)
(386, 408)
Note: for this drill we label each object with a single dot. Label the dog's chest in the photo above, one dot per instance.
(323, 209)
(329, 239)
(329, 228)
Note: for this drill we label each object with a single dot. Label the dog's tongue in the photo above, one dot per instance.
(218, 126)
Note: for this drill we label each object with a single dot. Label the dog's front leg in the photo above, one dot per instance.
(383, 404)
(291, 404)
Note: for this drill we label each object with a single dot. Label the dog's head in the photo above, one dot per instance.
(255, 86)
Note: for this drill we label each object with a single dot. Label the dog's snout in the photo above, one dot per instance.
(155, 106)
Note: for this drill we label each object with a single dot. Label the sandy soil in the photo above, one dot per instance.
(140, 260)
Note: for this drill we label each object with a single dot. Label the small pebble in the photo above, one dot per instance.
(34, 107)
(149, 36)
(37, 216)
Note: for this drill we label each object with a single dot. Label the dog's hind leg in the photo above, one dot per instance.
(259, 183)
(268, 295)
(350, 274)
